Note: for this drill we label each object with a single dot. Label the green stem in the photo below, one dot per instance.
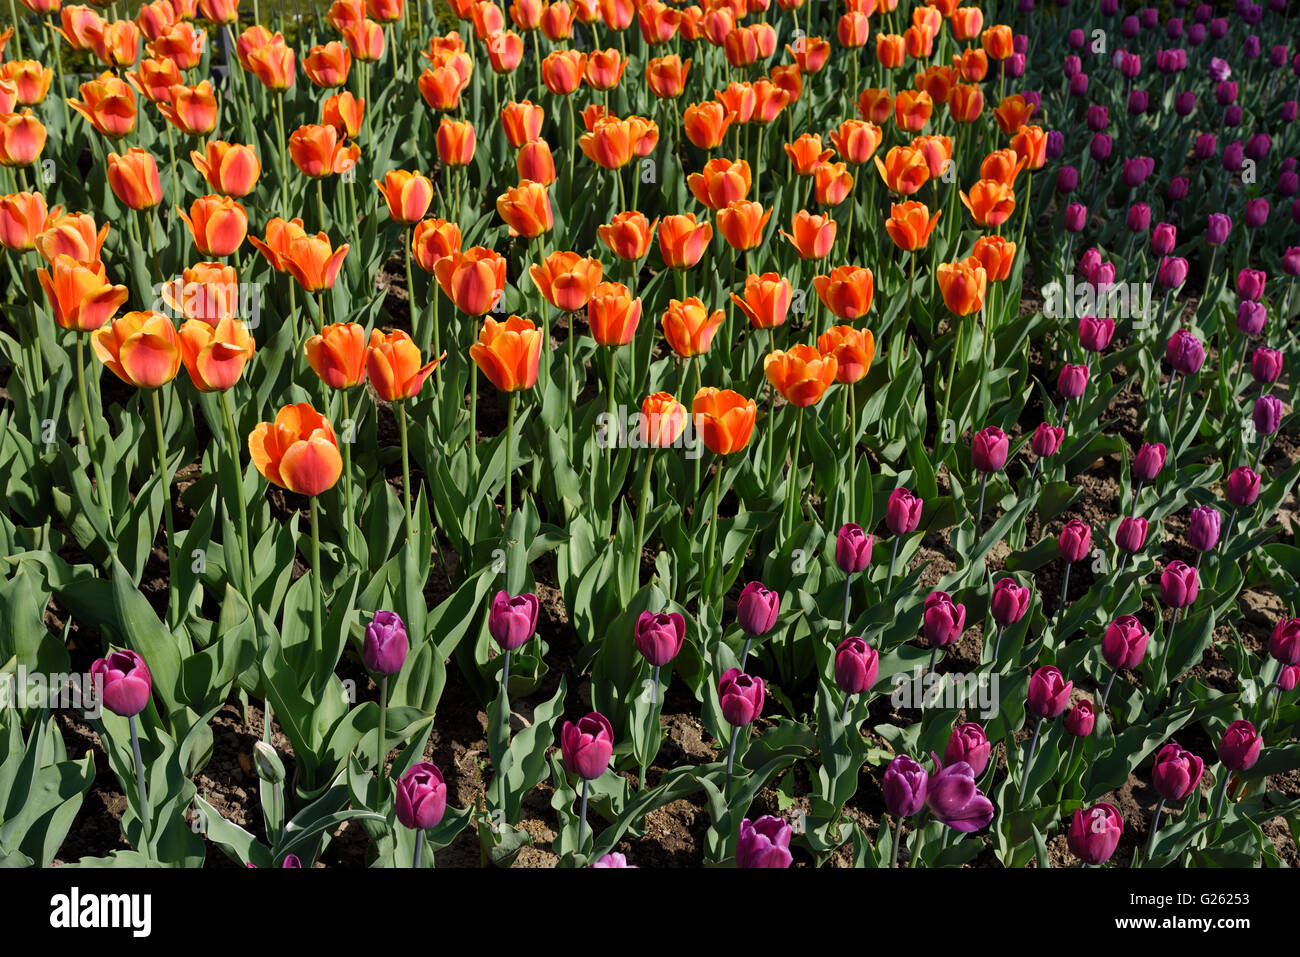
(232, 436)
(510, 440)
(101, 490)
(382, 733)
(173, 602)
(400, 407)
(317, 638)
(349, 428)
(1029, 761)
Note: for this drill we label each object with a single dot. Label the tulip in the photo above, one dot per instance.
(508, 353)
(312, 261)
(126, 685)
(134, 179)
(612, 860)
(1131, 534)
(108, 104)
(1049, 696)
(689, 327)
(328, 65)
(421, 801)
(766, 301)
(22, 219)
(909, 226)
(1239, 748)
(659, 638)
(756, 613)
(215, 356)
(905, 786)
(943, 622)
(1079, 721)
(904, 170)
(1174, 775)
(628, 235)
(1094, 833)
(740, 697)
(954, 800)
(1045, 442)
(298, 451)
(856, 667)
(407, 195)
(534, 161)
(22, 138)
(218, 225)
(1203, 528)
(473, 279)
(847, 291)
(1284, 642)
(79, 294)
(764, 843)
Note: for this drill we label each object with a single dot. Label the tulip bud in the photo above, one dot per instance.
(587, 746)
(1288, 677)
(1079, 719)
(1076, 217)
(1179, 584)
(1240, 745)
(989, 449)
(269, 766)
(1149, 461)
(1074, 541)
(1242, 487)
(1265, 365)
(757, 608)
(1185, 352)
(1163, 239)
(1176, 772)
(1046, 440)
(740, 697)
(1284, 643)
(1131, 534)
(512, 621)
(1203, 529)
(1010, 601)
(386, 644)
(1250, 284)
(852, 549)
(421, 798)
(1267, 414)
(1124, 643)
(1049, 692)
(764, 843)
(659, 637)
(968, 743)
(1251, 317)
(904, 785)
(1095, 833)
(1172, 272)
(902, 512)
(126, 682)
(856, 666)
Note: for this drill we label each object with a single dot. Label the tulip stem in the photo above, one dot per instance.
(641, 506)
(419, 846)
(280, 141)
(1065, 590)
(413, 311)
(1105, 695)
(139, 781)
(173, 601)
(844, 620)
(241, 506)
(101, 491)
(1155, 824)
(175, 174)
(1074, 742)
(1029, 762)
(349, 430)
(979, 515)
(1222, 794)
(1163, 677)
(400, 406)
(771, 411)
(997, 643)
(898, 837)
(582, 816)
(744, 652)
(792, 495)
(510, 441)
(844, 715)
(1227, 532)
(934, 659)
(952, 374)
(318, 643)
(381, 733)
(893, 556)
(712, 555)
(731, 760)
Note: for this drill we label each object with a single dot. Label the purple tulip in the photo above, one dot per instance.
(1256, 213)
(1079, 720)
(1176, 772)
(764, 843)
(1178, 187)
(1095, 833)
(1149, 460)
(659, 636)
(970, 744)
(1233, 155)
(1125, 643)
(1179, 584)
(1046, 440)
(1076, 39)
(1010, 601)
(1242, 486)
(1218, 70)
(1251, 317)
(386, 644)
(421, 798)
(1067, 179)
(1217, 229)
(1049, 692)
(1185, 103)
(943, 620)
(1203, 528)
(1072, 381)
(1097, 117)
(852, 549)
(989, 449)
(1074, 541)
(512, 621)
(126, 682)
(1291, 261)
(856, 666)
(1136, 171)
(757, 608)
(1265, 365)
(1258, 145)
(1288, 677)
(741, 697)
(1101, 145)
(904, 784)
(587, 746)
(1163, 239)
(1267, 414)
(1185, 352)
(1240, 745)
(1131, 534)
(1076, 217)
(902, 512)
(1206, 145)
(1137, 102)
(1079, 85)
(1284, 643)
(1095, 334)
(954, 799)
(1172, 272)
(613, 860)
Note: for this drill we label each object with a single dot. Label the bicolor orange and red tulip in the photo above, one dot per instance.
(155, 19)
(108, 104)
(1002, 166)
(318, 152)
(613, 314)
(140, 348)
(22, 219)
(280, 237)
(876, 105)
(273, 64)
(314, 262)
(853, 29)
(689, 327)
(912, 110)
(1030, 144)
(298, 451)
(604, 69)
(611, 143)
(441, 86)
(806, 154)
(971, 65)
(990, 203)
(967, 23)
(683, 240)
(562, 71)
(328, 65)
(918, 41)
(192, 110)
(231, 169)
(344, 112)
(767, 300)
(810, 53)
(345, 13)
(963, 284)
(71, 234)
(217, 223)
(219, 12)
(938, 81)
(505, 51)
(522, 122)
(707, 123)
(557, 21)
(856, 141)
(487, 19)
(337, 354)
(890, 51)
(853, 350)
(566, 279)
(434, 239)
(721, 182)
(79, 25)
(79, 294)
(910, 224)
(904, 170)
(801, 374)
(384, 11)
(628, 235)
(832, 183)
(134, 178)
(739, 99)
(937, 151)
(997, 42)
(365, 40)
(30, 78)
(847, 291)
(666, 76)
(769, 101)
(456, 142)
(208, 292)
(182, 46)
(154, 79)
(473, 280)
(1013, 113)
(22, 138)
(508, 353)
(215, 356)
(663, 419)
(393, 365)
(724, 419)
(742, 223)
(117, 44)
(407, 194)
(535, 162)
(812, 235)
(526, 209)
(997, 255)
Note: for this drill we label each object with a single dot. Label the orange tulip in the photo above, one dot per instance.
(219, 11)
(22, 138)
(724, 419)
(522, 122)
(707, 123)
(215, 356)
(22, 219)
(108, 105)
(208, 292)
(657, 21)
(742, 223)
(919, 42)
(1002, 166)
(904, 170)
(937, 151)
(769, 101)
(192, 110)
(612, 314)
(230, 168)
(407, 194)
(80, 296)
(30, 78)
(617, 14)
(990, 202)
(787, 77)
(611, 142)
(928, 16)
(972, 65)
(298, 451)
(526, 209)
(434, 239)
(273, 64)
(314, 262)
(441, 86)
(666, 76)
(473, 280)
(534, 161)
(365, 40)
(967, 23)
(456, 142)
(217, 223)
(8, 96)
(889, 50)
(345, 13)
(118, 43)
(562, 71)
(557, 21)
(689, 326)
(628, 236)
(1030, 145)
(910, 224)
(853, 350)
(912, 110)
(155, 19)
(328, 65)
(806, 154)
(337, 354)
(683, 240)
(856, 141)
(604, 69)
(182, 46)
(393, 365)
(813, 236)
(154, 79)
(996, 255)
(317, 151)
(487, 19)
(505, 51)
(740, 99)
(384, 11)
(662, 420)
(140, 348)
(344, 112)
(847, 291)
(280, 236)
(966, 103)
(997, 42)
(938, 81)
(1013, 113)
(527, 14)
(832, 183)
(767, 300)
(801, 374)
(508, 353)
(810, 53)
(566, 279)
(721, 182)
(71, 234)
(876, 105)
(853, 30)
(963, 285)
(741, 47)
(79, 25)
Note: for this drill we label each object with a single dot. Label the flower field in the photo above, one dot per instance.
(618, 433)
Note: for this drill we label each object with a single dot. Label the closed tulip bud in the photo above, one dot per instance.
(902, 512)
(852, 349)
(724, 419)
(1242, 486)
(472, 279)
(421, 797)
(1074, 541)
(1284, 643)
(1176, 772)
(963, 285)
(408, 195)
(126, 682)
(904, 786)
(766, 301)
(1125, 642)
(1205, 146)
(587, 746)
(1185, 352)
(1250, 284)
(628, 235)
(1267, 414)
(327, 66)
(512, 621)
(1179, 584)
(989, 449)
(1288, 677)
(1149, 460)
(1095, 334)
(269, 768)
(852, 549)
(856, 666)
(1094, 833)
(1240, 746)
(1046, 440)
(386, 644)
(1072, 381)
(943, 620)
(1256, 214)
(1185, 103)
(764, 843)
(535, 162)
(1067, 179)
(659, 637)
(1049, 693)
(683, 240)
(1265, 365)
(740, 697)
(1203, 528)
(1178, 187)
(757, 609)
(969, 744)
(1076, 217)
(1079, 720)
(847, 292)
(1138, 218)
(1100, 147)
(1131, 534)
(337, 354)
(215, 355)
(1009, 602)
